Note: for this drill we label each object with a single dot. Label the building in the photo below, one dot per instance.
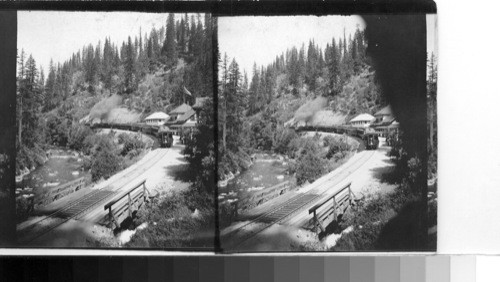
(385, 122)
(182, 119)
(362, 120)
(198, 105)
(157, 118)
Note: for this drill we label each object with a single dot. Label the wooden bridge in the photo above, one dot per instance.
(330, 209)
(258, 198)
(127, 205)
(60, 191)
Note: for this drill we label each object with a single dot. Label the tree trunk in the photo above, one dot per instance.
(19, 132)
(224, 126)
(431, 117)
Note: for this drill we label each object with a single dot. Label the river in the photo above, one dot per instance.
(265, 172)
(61, 167)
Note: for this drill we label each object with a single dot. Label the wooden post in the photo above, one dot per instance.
(129, 205)
(334, 208)
(113, 219)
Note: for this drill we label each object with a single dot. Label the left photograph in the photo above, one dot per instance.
(115, 130)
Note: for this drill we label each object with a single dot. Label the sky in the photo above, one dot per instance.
(57, 35)
(260, 39)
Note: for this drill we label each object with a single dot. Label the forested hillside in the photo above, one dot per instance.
(150, 71)
(253, 111)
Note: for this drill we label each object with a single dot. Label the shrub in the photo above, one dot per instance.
(310, 165)
(283, 139)
(96, 142)
(77, 135)
(105, 161)
(336, 148)
(57, 129)
(133, 153)
(23, 208)
(104, 164)
(130, 144)
(171, 223)
(29, 157)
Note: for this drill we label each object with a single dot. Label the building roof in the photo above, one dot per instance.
(385, 121)
(157, 115)
(189, 123)
(200, 101)
(384, 111)
(363, 117)
(182, 117)
(395, 124)
(181, 109)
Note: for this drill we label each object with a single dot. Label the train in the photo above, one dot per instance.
(368, 135)
(164, 136)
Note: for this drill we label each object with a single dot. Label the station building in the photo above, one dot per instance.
(157, 118)
(362, 120)
(385, 122)
(182, 119)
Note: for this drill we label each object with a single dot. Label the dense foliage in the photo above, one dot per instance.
(179, 220)
(200, 150)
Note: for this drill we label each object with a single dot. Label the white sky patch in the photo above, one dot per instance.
(58, 35)
(432, 34)
(260, 39)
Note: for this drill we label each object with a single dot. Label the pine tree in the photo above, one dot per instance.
(107, 64)
(50, 88)
(253, 91)
(129, 67)
(20, 94)
(169, 50)
(223, 103)
(234, 108)
(431, 98)
(312, 66)
(31, 103)
(334, 69)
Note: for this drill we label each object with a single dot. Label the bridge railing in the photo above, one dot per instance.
(265, 195)
(60, 191)
(127, 204)
(328, 210)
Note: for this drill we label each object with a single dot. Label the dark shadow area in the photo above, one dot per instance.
(397, 46)
(179, 172)
(389, 175)
(403, 232)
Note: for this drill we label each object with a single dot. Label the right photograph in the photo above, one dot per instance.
(327, 133)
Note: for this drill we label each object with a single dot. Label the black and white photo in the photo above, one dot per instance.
(115, 130)
(313, 151)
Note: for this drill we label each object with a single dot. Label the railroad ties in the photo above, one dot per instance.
(274, 216)
(86, 203)
(288, 208)
(73, 210)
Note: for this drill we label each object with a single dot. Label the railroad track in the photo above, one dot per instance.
(80, 207)
(71, 211)
(292, 206)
